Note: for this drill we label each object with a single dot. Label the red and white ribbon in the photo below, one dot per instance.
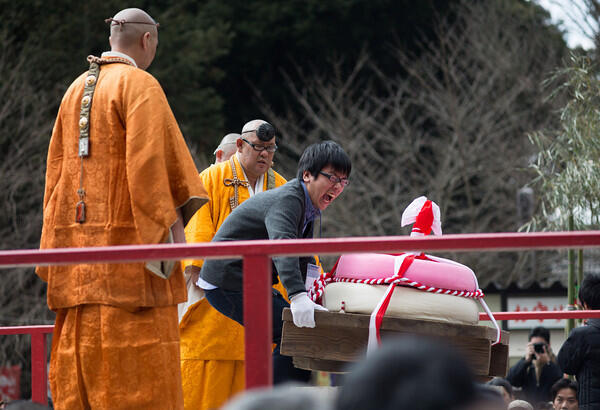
(425, 217)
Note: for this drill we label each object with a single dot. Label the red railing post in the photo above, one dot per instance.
(39, 381)
(258, 320)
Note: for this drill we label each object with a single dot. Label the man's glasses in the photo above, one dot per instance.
(334, 180)
(261, 148)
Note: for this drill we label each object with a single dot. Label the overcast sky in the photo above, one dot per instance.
(566, 11)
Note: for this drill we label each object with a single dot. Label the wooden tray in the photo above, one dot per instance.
(341, 338)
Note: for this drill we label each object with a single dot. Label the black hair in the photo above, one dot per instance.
(540, 331)
(563, 384)
(408, 369)
(264, 132)
(317, 156)
(487, 397)
(589, 292)
(500, 381)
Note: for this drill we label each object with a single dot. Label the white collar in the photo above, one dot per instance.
(259, 181)
(119, 54)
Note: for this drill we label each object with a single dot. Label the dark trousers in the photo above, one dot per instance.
(231, 304)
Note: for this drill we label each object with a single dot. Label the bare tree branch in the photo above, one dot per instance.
(25, 126)
(452, 128)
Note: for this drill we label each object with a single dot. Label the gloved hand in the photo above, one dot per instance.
(303, 310)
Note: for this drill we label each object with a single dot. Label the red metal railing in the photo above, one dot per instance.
(39, 380)
(556, 314)
(257, 265)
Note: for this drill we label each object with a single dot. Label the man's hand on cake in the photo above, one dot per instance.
(303, 310)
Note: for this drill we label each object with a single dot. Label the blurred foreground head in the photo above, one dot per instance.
(24, 405)
(409, 373)
(284, 396)
(519, 405)
(505, 387)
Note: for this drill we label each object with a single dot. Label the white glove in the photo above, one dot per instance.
(303, 310)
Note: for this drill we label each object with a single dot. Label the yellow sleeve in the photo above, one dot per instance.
(204, 224)
(199, 229)
(318, 263)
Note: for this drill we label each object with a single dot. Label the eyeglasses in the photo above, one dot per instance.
(334, 180)
(261, 148)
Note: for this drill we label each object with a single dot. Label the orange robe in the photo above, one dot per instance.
(115, 343)
(212, 345)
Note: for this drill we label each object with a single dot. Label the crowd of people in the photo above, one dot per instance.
(416, 373)
(158, 334)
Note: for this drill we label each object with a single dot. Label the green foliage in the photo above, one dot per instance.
(189, 46)
(215, 56)
(276, 36)
(567, 165)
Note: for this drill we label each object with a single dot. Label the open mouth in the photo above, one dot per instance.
(327, 199)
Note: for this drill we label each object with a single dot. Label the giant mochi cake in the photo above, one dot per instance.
(407, 285)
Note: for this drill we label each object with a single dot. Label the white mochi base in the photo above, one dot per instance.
(406, 303)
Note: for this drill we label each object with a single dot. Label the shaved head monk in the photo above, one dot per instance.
(134, 33)
(118, 173)
(226, 148)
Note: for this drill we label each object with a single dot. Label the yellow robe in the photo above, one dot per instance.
(116, 327)
(212, 345)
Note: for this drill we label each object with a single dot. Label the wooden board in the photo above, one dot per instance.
(499, 358)
(340, 338)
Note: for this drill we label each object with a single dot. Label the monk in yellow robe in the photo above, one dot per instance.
(118, 173)
(212, 345)
(227, 147)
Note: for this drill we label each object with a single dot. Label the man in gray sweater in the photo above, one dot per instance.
(287, 212)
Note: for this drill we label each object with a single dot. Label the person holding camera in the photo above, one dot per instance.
(580, 353)
(538, 370)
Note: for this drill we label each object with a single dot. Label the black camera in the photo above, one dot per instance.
(539, 347)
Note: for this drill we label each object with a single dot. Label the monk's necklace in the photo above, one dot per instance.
(234, 201)
(84, 123)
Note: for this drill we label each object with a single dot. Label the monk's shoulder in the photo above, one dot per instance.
(279, 179)
(142, 76)
(216, 173)
(139, 78)
(76, 86)
(128, 79)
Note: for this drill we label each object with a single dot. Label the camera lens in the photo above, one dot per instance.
(538, 347)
